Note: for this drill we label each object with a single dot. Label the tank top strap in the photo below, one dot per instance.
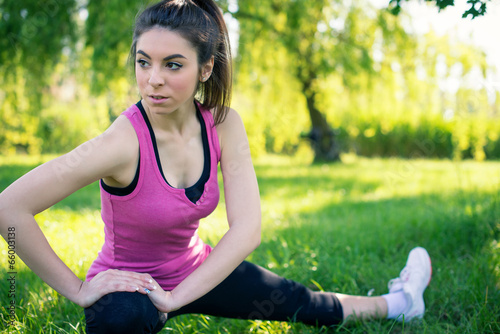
(146, 152)
(215, 150)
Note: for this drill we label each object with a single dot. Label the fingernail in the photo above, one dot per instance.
(150, 280)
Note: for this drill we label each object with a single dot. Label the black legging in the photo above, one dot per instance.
(250, 292)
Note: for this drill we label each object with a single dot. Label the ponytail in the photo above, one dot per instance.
(216, 92)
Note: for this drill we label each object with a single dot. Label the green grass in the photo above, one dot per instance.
(340, 227)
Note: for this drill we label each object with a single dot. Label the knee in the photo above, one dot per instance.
(120, 312)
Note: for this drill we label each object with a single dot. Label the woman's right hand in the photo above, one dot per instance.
(112, 280)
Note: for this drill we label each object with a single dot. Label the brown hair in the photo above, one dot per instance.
(202, 24)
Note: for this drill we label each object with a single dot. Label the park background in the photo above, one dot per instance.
(369, 134)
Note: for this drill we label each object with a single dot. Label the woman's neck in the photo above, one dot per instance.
(180, 121)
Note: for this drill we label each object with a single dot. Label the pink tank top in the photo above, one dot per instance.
(154, 228)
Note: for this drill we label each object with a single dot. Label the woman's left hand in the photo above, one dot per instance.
(160, 298)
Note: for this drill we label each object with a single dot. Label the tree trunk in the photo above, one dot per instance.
(322, 137)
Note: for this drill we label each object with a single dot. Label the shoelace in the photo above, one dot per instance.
(403, 277)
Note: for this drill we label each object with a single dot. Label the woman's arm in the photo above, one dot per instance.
(103, 156)
(243, 214)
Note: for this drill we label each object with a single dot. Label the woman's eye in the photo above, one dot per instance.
(142, 62)
(174, 66)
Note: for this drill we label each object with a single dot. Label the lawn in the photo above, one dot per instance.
(341, 227)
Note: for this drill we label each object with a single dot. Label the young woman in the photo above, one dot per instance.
(157, 166)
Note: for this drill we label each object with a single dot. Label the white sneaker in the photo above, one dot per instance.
(413, 280)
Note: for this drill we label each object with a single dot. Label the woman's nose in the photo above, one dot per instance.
(155, 79)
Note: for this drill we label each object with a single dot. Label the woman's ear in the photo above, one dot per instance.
(206, 70)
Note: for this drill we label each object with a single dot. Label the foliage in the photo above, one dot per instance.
(347, 227)
(319, 38)
(423, 96)
(47, 67)
(325, 39)
(460, 138)
(300, 66)
(108, 34)
(29, 29)
(477, 7)
(29, 50)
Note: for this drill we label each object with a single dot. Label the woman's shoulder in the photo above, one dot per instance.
(231, 130)
(232, 119)
(120, 146)
(121, 135)
(120, 127)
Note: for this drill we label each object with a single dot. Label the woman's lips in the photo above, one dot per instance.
(157, 98)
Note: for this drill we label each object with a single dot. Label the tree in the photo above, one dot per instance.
(477, 7)
(321, 37)
(34, 34)
(324, 37)
(40, 36)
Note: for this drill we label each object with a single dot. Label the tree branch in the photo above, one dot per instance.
(477, 7)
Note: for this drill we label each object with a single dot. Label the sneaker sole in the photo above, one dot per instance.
(425, 258)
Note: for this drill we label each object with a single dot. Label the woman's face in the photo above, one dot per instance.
(166, 70)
